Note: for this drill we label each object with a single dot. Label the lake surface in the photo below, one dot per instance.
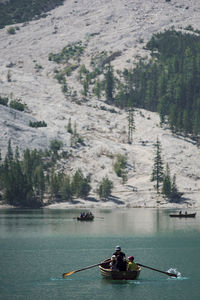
(37, 246)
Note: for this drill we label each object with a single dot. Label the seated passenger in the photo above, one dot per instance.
(132, 266)
(113, 263)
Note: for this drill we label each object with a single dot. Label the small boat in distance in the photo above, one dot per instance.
(86, 217)
(106, 272)
(185, 215)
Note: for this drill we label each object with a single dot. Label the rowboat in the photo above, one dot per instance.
(106, 272)
(183, 215)
(86, 218)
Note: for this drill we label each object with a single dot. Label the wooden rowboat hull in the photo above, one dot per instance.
(119, 275)
(183, 215)
(85, 219)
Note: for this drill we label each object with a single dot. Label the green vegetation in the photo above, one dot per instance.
(55, 146)
(169, 82)
(26, 181)
(109, 84)
(11, 30)
(16, 104)
(120, 167)
(80, 185)
(105, 188)
(169, 188)
(69, 126)
(4, 101)
(131, 124)
(20, 11)
(38, 124)
(76, 138)
(157, 173)
(71, 51)
(22, 181)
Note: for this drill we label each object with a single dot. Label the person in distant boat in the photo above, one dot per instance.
(113, 263)
(185, 212)
(180, 212)
(132, 266)
(121, 259)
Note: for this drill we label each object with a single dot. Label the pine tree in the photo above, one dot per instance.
(97, 89)
(167, 186)
(109, 87)
(175, 195)
(157, 173)
(54, 185)
(69, 126)
(66, 190)
(131, 124)
(80, 185)
(39, 182)
(105, 188)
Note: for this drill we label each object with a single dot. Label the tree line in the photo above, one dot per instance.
(28, 180)
(32, 180)
(19, 11)
(168, 83)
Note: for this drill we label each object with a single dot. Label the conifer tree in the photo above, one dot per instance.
(105, 188)
(109, 84)
(167, 186)
(97, 89)
(80, 184)
(39, 182)
(157, 173)
(175, 195)
(131, 124)
(69, 126)
(66, 190)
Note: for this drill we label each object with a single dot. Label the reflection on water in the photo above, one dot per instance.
(137, 221)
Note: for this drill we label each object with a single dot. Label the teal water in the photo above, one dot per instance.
(37, 246)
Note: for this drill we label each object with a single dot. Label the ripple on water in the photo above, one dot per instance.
(176, 272)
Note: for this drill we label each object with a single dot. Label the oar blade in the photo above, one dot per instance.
(153, 269)
(171, 274)
(68, 274)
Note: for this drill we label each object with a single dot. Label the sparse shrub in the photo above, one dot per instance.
(38, 124)
(38, 67)
(70, 51)
(56, 145)
(4, 101)
(60, 77)
(11, 30)
(16, 104)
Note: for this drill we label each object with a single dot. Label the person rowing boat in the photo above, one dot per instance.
(121, 259)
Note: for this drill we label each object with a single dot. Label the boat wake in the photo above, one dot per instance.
(177, 273)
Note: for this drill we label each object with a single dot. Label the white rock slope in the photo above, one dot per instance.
(118, 25)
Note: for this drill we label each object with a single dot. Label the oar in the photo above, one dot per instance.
(167, 273)
(64, 275)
